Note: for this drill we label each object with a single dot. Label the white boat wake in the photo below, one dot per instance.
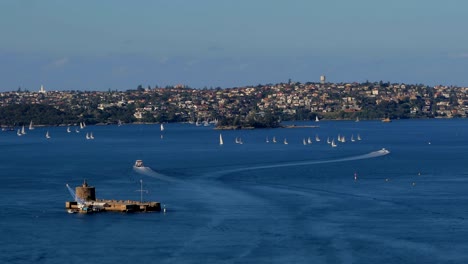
(370, 155)
(147, 171)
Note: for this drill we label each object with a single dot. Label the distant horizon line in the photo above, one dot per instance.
(42, 87)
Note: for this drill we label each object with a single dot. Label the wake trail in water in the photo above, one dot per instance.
(370, 155)
(147, 171)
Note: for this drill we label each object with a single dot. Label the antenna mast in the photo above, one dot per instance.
(141, 191)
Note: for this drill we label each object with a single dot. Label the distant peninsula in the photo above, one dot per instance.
(249, 107)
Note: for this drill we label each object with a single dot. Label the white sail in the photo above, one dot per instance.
(87, 136)
(91, 135)
(317, 138)
(266, 140)
(274, 139)
(352, 138)
(309, 141)
(19, 133)
(31, 125)
(328, 140)
(304, 142)
(221, 142)
(68, 130)
(333, 143)
(285, 141)
(162, 127)
(358, 137)
(316, 118)
(23, 132)
(47, 134)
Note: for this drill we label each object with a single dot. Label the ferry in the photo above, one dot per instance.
(139, 164)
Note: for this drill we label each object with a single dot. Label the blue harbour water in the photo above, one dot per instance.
(254, 202)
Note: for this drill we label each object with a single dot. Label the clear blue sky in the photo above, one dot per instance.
(119, 44)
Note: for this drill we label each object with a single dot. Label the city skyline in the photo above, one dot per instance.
(117, 45)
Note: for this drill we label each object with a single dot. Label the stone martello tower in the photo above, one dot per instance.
(85, 192)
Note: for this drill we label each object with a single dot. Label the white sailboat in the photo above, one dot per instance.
(68, 130)
(31, 125)
(328, 140)
(77, 131)
(81, 125)
(274, 139)
(266, 140)
(47, 134)
(358, 137)
(19, 133)
(87, 136)
(343, 139)
(23, 132)
(285, 141)
(357, 119)
(304, 142)
(316, 118)
(333, 144)
(162, 127)
(317, 138)
(91, 135)
(309, 141)
(352, 138)
(221, 142)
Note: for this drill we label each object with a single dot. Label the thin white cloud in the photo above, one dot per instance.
(463, 55)
(58, 63)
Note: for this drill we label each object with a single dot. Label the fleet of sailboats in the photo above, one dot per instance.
(305, 140)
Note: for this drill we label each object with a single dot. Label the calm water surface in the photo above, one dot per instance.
(252, 203)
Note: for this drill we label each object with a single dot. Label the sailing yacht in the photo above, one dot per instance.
(316, 118)
(317, 138)
(267, 141)
(68, 130)
(221, 140)
(285, 141)
(23, 132)
(333, 144)
(352, 138)
(47, 134)
(309, 141)
(357, 119)
(87, 136)
(31, 125)
(162, 127)
(91, 135)
(358, 137)
(304, 142)
(328, 140)
(274, 139)
(19, 133)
